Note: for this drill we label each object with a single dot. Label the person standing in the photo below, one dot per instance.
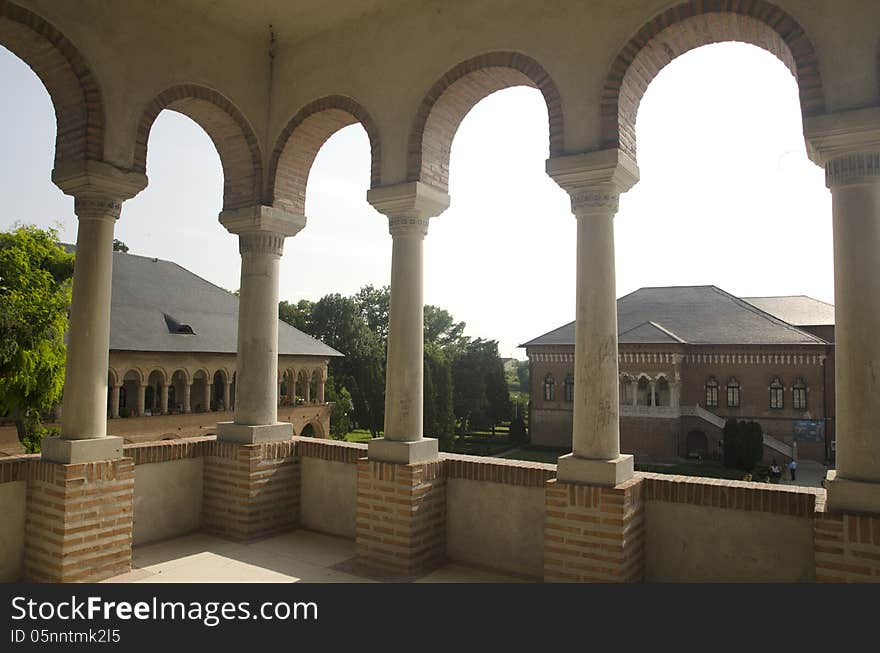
(792, 467)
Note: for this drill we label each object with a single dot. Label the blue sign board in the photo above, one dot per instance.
(809, 430)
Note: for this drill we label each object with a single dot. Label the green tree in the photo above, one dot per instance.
(337, 321)
(340, 413)
(480, 395)
(442, 329)
(439, 419)
(297, 315)
(35, 282)
(119, 246)
(522, 375)
(743, 444)
(373, 305)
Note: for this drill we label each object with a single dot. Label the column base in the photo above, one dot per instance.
(245, 434)
(67, 451)
(594, 534)
(251, 490)
(845, 495)
(401, 517)
(424, 450)
(79, 520)
(587, 471)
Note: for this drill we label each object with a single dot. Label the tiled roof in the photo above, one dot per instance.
(704, 315)
(799, 310)
(153, 301)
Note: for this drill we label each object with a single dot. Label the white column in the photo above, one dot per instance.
(652, 388)
(207, 395)
(594, 181)
(848, 145)
(635, 391)
(409, 207)
(227, 394)
(98, 190)
(322, 378)
(142, 399)
(307, 386)
(261, 232)
(163, 399)
(114, 401)
(187, 391)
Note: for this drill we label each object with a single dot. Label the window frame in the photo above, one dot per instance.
(734, 386)
(549, 388)
(799, 388)
(569, 389)
(711, 386)
(777, 394)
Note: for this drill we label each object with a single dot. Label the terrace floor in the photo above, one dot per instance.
(298, 556)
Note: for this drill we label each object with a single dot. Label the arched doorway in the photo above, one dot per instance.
(697, 444)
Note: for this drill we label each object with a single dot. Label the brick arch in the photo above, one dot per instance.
(688, 26)
(457, 92)
(162, 373)
(302, 137)
(73, 88)
(230, 132)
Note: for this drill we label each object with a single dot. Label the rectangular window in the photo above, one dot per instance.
(732, 397)
(711, 396)
(799, 396)
(776, 398)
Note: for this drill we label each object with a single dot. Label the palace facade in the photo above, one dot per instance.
(692, 357)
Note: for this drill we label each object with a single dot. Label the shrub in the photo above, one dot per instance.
(743, 444)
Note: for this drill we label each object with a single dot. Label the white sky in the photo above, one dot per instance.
(727, 197)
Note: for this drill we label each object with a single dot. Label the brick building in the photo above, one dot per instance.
(691, 357)
(173, 339)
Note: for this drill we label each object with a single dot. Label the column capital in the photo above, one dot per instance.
(98, 188)
(262, 219)
(846, 144)
(594, 180)
(408, 206)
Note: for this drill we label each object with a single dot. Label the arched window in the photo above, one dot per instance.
(777, 394)
(799, 394)
(733, 393)
(626, 390)
(549, 388)
(569, 388)
(711, 393)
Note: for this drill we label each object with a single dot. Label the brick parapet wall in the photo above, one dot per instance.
(251, 490)
(79, 520)
(167, 450)
(331, 450)
(732, 495)
(495, 470)
(401, 516)
(594, 534)
(847, 548)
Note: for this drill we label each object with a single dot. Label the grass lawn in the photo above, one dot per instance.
(359, 435)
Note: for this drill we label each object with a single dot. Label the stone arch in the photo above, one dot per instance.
(138, 373)
(453, 95)
(227, 127)
(161, 371)
(76, 95)
(688, 26)
(317, 430)
(112, 376)
(187, 376)
(302, 137)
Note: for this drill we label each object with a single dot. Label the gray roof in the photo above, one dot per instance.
(151, 298)
(799, 310)
(699, 315)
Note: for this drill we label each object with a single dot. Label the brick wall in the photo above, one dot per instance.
(847, 548)
(401, 516)
(251, 490)
(594, 534)
(79, 520)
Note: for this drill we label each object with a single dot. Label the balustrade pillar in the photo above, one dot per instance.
(848, 146)
(99, 190)
(409, 207)
(594, 182)
(261, 232)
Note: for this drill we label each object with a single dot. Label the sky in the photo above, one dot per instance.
(727, 197)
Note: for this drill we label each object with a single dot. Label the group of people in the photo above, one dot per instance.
(776, 470)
